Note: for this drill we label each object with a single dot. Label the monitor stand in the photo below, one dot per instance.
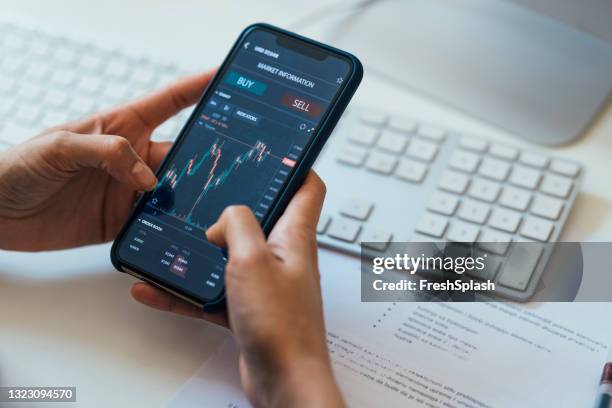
(533, 76)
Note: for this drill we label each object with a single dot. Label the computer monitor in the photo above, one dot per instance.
(540, 69)
(592, 16)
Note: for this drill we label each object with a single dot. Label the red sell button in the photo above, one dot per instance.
(300, 104)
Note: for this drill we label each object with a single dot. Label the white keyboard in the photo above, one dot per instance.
(391, 178)
(48, 79)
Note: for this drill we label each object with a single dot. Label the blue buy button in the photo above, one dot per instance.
(246, 83)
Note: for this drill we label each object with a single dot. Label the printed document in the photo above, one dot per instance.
(438, 355)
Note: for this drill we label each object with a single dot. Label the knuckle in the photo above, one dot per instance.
(117, 146)
(244, 261)
(60, 137)
(60, 141)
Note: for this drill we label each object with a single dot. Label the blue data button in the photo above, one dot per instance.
(243, 82)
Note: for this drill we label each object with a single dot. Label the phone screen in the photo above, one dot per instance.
(240, 147)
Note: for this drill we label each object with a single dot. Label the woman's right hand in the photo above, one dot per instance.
(274, 303)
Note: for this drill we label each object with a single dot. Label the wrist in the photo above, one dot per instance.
(306, 382)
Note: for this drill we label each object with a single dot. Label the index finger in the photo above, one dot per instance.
(161, 105)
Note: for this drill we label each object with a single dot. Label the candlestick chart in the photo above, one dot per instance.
(198, 184)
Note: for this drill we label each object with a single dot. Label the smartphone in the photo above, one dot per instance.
(250, 140)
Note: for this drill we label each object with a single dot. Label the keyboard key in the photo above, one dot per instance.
(400, 124)
(358, 209)
(495, 241)
(376, 239)
(344, 229)
(14, 42)
(474, 211)
(116, 92)
(515, 198)
(505, 220)
(90, 62)
(372, 117)
(165, 131)
(167, 77)
(56, 98)
(565, 168)
(7, 84)
(411, 170)
(53, 118)
(134, 92)
(323, 223)
(462, 232)
(29, 92)
(27, 114)
(537, 228)
(520, 265)
(13, 133)
(454, 182)
(82, 105)
(525, 177)
(144, 76)
(422, 150)
(6, 107)
(464, 161)
(534, 160)
(13, 65)
(491, 266)
(90, 84)
(431, 224)
(494, 169)
(443, 203)
(65, 55)
(117, 69)
(381, 163)
(471, 143)
(392, 142)
(547, 207)
(556, 185)
(38, 71)
(63, 77)
(352, 155)
(504, 152)
(364, 135)
(40, 49)
(432, 133)
(484, 190)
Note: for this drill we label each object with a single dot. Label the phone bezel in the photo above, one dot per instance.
(295, 178)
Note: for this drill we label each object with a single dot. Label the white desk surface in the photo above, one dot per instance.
(67, 318)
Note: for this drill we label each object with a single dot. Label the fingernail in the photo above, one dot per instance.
(144, 176)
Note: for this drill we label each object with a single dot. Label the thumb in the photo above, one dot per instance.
(111, 153)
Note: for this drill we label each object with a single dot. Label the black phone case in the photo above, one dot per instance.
(293, 183)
